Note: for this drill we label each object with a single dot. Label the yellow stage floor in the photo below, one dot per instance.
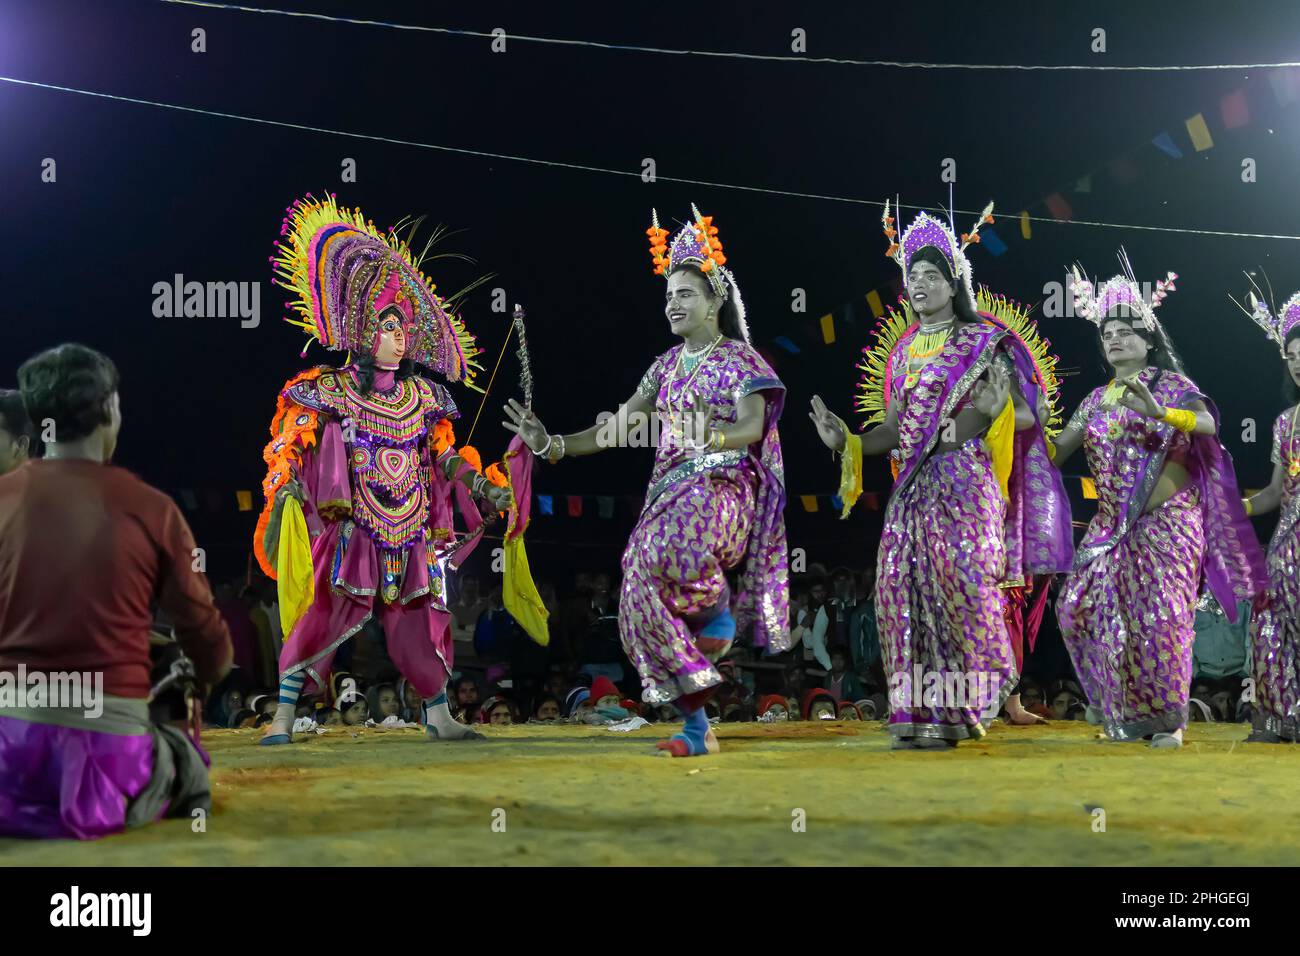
(584, 795)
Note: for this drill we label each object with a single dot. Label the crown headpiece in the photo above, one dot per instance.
(344, 274)
(1095, 302)
(1276, 323)
(696, 244)
(927, 231)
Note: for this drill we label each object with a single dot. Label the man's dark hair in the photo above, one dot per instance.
(70, 385)
(14, 418)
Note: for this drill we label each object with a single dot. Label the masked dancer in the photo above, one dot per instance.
(362, 468)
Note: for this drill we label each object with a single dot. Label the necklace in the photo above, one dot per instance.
(690, 361)
(925, 345)
(686, 349)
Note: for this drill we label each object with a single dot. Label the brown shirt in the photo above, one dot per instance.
(85, 551)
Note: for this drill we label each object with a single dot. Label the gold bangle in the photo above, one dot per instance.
(1183, 419)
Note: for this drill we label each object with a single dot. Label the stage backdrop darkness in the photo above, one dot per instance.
(144, 194)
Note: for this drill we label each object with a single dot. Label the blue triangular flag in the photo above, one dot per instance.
(990, 241)
(1165, 143)
(786, 344)
(546, 504)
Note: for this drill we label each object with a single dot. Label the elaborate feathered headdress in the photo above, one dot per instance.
(697, 244)
(927, 231)
(1277, 324)
(344, 274)
(1094, 302)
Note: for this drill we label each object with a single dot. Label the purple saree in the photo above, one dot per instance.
(950, 541)
(1275, 628)
(1127, 608)
(704, 515)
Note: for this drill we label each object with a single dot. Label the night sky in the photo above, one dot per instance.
(144, 193)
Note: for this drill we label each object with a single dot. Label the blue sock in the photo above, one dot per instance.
(721, 628)
(697, 725)
(291, 688)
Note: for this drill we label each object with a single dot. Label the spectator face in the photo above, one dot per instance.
(331, 718)
(389, 705)
(1061, 703)
(356, 713)
(818, 594)
(837, 662)
(413, 701)
(792, 708)
(500, 714)
(848, 713)
(1030, 697)
(467, 693)
(843, 586)
(775, 712)
(822, 710)
(549, 710)
(609, 700)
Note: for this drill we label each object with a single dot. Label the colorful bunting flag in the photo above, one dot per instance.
(1084, 185)
(785, 343)
(546, 504)
(809, 502)
(1025, 230)
(992, 242)
(828, 329)
(189, 499)
(1199, 132)
(605, 506)
(874, 303)
(1235, 110)
(1089, 488)
(1059, 208)
(245, 500)
(1165, 143)
(1284, 85)
(575, 505)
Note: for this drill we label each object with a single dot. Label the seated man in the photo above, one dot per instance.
(85, 548)
(17, 434)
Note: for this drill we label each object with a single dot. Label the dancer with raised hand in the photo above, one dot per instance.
(960, 396)
(1275, 626)
(1168, 514)
(716, 494)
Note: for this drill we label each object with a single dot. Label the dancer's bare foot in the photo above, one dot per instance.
(1018, 715)
(679, 746)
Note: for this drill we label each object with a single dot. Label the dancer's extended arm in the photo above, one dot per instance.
(633, 415)
(1261, 503)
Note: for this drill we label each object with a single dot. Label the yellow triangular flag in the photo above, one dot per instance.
(809, 502)
(873, 300)
(1199, 132)
(828, 329)
(1089, 488)
(1025, 231)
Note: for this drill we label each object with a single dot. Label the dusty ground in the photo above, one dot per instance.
(581, 795)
